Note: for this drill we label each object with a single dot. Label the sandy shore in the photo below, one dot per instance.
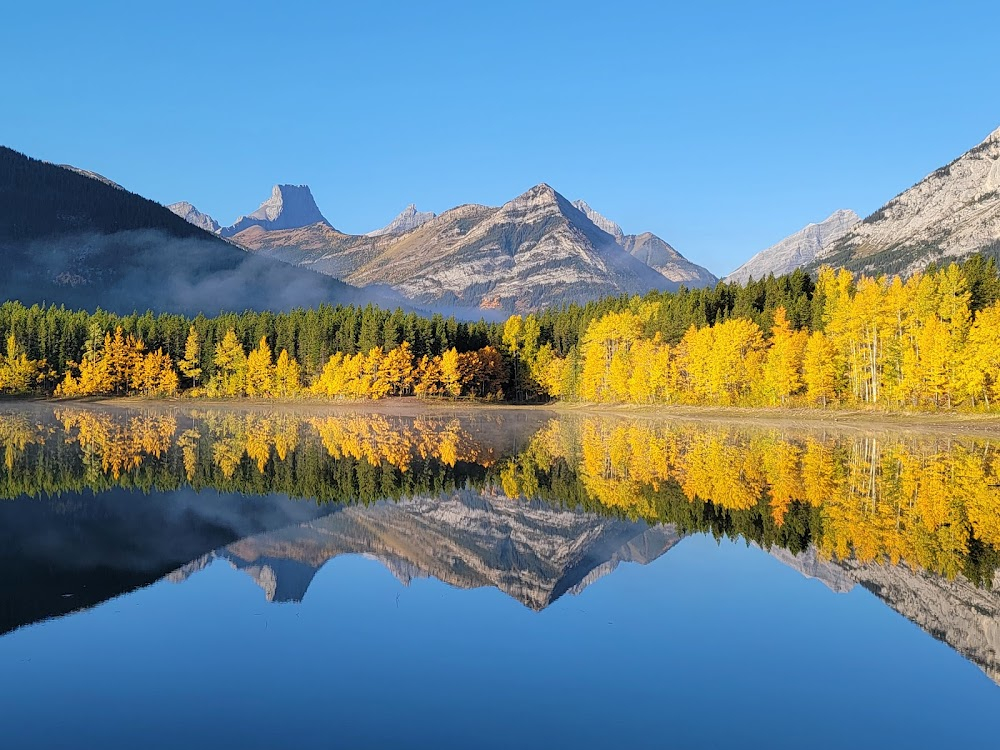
(953, 423)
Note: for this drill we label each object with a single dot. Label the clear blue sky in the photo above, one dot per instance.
(721, 127)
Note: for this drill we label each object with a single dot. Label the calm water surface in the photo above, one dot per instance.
(216, 578)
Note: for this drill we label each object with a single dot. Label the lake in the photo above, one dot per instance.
(491, 578)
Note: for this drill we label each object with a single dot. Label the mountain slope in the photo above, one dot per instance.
(662, 258)
(652, 251)
(797, 249)
(951, 213)
(602, 222)
(289, 207)
(192, 215)
(529, 550)
(69, 238)
(536, 250)
(409, 219)
(955, 611)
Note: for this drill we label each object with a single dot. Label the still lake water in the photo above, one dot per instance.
(494, 578)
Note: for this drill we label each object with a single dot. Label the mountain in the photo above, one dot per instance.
(192, 215)
(74, 553)
(409, 219)
(69, 237)
(289, 207)
(666, 261)
(91, 175)
(600, 221)
(955, 611)
(950, 214)
(652, 251)
(533, 251)
(797, 249)
(529, 550)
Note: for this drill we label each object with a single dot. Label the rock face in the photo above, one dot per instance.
(652, 251)
(956, 612)
(662, 258)
(289, 207)
(602, 222)
(950, 214)
(796, 250)
(529, 550)
(409, 219)
(192, 215)
(536, 250)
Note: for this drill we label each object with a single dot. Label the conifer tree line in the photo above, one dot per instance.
(930, 341)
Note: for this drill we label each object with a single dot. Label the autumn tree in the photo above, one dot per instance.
(783, 366)
(190, 365)
(259, 371)
(287, 375)
(230, 365)
(18, 374)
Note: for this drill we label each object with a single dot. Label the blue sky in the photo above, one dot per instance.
(721, 127)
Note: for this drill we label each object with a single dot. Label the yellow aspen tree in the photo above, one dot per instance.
(287, 375)
(979, 372)
(428, 377)
(18, 374)
(453, 377)
(694, 360)
(606, 337)
(190, 365)
(836, 288)
(376, 385)
(326, 384)
(397, 369)
(260, 371)
(231, 364)
(783, 368)
(935, 362)
(819, 371)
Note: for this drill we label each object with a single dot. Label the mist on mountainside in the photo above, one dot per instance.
(149, 269)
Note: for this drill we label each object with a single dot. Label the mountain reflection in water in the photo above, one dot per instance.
(99, 502)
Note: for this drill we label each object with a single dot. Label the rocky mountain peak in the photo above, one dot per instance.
(540, 195)
(289, 207)
(192, 215)
(410, 218)
(602, 222)
(950, 214)
(798, 249)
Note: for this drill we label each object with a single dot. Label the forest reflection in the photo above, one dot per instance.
(928, 501)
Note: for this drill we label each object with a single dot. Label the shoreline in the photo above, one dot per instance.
(957, 423)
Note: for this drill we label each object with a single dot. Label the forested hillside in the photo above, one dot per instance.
(42, 200)
(73, 239)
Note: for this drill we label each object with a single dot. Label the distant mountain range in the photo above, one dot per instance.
(535, 250)
(72, 236)
(468, 539)
(796, 250)
(951, 214)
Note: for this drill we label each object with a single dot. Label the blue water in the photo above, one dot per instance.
(710, 645)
